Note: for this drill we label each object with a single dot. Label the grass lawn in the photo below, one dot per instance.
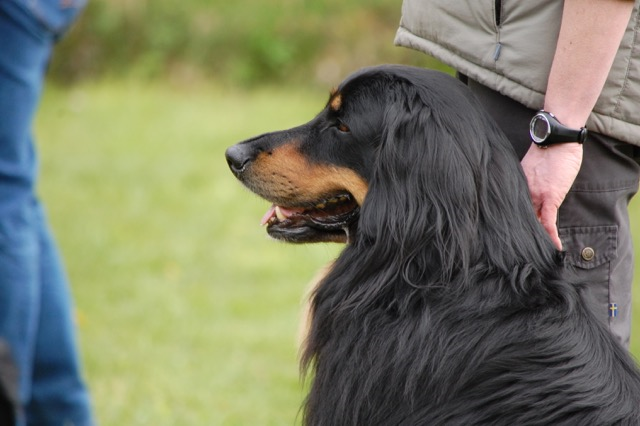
(187, 313)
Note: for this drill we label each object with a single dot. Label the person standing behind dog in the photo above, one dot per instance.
(580, 61)
(35, 305)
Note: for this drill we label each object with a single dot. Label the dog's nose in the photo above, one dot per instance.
(237, 157)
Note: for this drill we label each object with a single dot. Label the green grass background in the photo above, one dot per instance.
(187, 312)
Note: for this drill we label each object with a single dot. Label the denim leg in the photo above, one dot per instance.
(35, 305)
(58, 395)
(19, 295)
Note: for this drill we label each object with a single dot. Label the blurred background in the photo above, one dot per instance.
(244, 42)
(188, 314)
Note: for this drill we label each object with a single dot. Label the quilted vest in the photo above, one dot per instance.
(508, 46)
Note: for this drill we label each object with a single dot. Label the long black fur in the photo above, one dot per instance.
(449, 306)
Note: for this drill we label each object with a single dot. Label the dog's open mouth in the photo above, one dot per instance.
(327, 220)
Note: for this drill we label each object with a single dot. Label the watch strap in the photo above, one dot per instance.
(563, 134)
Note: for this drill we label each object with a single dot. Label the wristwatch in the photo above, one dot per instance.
(545, 130)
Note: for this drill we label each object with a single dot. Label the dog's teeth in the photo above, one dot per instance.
(321, 206)
(333, 200)
(279, 213)
(343, 197)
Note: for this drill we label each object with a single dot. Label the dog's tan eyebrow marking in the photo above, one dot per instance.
(335, 101)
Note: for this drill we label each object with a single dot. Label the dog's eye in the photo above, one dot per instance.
(343, 127)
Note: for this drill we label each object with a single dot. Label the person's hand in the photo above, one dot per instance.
(550, 173)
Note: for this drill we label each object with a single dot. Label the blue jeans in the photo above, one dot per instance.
(35, 304)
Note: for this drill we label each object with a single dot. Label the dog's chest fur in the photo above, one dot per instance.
(427, 357)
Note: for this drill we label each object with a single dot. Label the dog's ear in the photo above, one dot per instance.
(446, 182)
(422, 194)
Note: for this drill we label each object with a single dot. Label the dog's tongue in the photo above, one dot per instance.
(279, 212)
(268, 215)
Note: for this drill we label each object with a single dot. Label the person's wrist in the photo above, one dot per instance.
(571, 152)
(568, 147)
(569, 118)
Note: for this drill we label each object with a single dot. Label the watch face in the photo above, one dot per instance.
(540, 128)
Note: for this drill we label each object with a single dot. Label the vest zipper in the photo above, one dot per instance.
(497, 8)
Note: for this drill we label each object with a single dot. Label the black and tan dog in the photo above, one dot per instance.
(447, 305)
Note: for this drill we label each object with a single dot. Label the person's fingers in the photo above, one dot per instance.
(548, 216)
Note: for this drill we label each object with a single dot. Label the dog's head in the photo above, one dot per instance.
(394, 151)
(316, 175)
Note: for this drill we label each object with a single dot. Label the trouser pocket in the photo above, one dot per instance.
(590, 251)
(592, 256)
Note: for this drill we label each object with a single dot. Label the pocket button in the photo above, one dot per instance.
(588, 254)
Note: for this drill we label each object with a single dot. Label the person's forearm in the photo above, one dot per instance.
(589, 38)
